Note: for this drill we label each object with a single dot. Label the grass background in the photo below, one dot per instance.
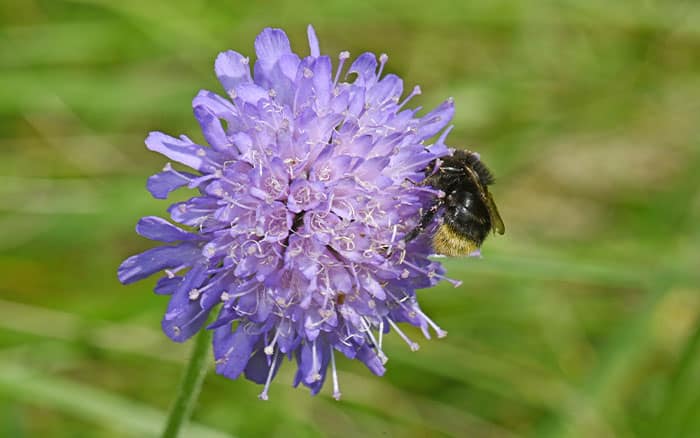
(582, 321)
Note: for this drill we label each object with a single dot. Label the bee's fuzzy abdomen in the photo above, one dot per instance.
(447, 241)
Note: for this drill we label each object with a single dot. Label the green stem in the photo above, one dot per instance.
(681, 393)
(190, 386)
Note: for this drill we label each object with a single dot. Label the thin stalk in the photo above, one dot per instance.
(190, 386)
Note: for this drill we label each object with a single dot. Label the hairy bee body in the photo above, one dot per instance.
(469, 211)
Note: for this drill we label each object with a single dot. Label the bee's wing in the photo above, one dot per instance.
(496, 220)
(487, 199)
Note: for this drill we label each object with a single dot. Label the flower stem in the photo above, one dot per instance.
(190, 386)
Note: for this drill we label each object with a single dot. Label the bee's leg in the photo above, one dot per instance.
(413, 183)
(425, 220)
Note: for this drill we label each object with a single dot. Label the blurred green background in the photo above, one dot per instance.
(582, 321)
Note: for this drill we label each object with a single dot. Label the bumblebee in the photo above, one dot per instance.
(470, 212)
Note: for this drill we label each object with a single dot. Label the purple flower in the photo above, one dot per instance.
(304, 194)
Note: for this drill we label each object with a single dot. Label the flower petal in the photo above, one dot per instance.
(212, 130)
(439, 148)
(232, 350)
(270, 45)
(258, 367)
(180, 150)
(366, 68)
(218, 105)
(167, 285)
(194, 211)
(370, 170)
(185, 315)
(368, 356)
(161, 184)
(251, 93)
(322, 83)
(157, 228)
(387, 90)
(232, 68)
(435, 120)
(288, 339)
(312, 368)
(313, 41)
(156, 259)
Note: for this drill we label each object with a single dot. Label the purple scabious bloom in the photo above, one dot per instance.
(307, 186)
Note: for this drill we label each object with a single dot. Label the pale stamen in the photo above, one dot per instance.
(393, 239)
(341, 61)
(416, 92)
(455, 283)
(380, 354)
(440, 332)
(336, 387)
(383, 58)
(271, 346)
(263, 394)
(412, 345)
(381, 333)
(315, 376)
(172, 272)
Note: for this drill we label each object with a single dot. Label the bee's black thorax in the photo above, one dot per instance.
(467, 215)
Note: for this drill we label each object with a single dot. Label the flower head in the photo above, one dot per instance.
(304, 194)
